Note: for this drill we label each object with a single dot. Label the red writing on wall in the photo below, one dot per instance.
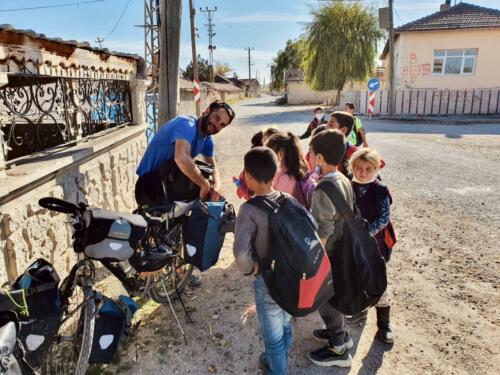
(414, 70)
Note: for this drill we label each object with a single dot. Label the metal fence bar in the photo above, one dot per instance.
(456, 101)
(463, 105)
(448, 102)
(41, 112)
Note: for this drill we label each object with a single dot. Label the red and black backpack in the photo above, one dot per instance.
(297, 270)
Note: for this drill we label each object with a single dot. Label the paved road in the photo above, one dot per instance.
(444, 273)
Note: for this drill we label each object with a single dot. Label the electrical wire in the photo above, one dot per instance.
(52, 6)
(118, 21)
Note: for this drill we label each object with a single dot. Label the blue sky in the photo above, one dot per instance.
(263, 24)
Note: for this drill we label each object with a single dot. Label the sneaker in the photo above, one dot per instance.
(322, 334)
(385, 335)
(353, 319)
(327, 356)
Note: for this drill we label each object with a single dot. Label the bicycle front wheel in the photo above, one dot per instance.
(70, 349)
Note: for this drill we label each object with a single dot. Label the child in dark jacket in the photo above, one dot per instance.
(374, 200)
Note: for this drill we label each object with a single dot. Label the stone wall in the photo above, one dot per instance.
(300, 93)
(28, 232)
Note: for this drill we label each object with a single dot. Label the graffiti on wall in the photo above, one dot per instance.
(414, 70)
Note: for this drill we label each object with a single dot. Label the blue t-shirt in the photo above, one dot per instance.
(162, 146)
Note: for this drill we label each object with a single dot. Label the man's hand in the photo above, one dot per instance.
(255, 270)
(215, 194)
(204, 189)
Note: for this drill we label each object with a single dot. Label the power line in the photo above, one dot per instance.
(52, 6)
(119, 20)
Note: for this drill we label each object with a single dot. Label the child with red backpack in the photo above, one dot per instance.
(250, 245)
(374, 200)
(292, 176)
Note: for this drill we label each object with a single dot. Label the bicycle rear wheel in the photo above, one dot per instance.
(70, 349)
(178, 271)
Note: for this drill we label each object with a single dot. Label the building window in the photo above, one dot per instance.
(454, 61)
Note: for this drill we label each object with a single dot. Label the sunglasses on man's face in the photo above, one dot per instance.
(229, 110)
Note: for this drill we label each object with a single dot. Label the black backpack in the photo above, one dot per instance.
(297, 270)
(359, 273)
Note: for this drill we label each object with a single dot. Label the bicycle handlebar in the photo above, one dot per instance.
(59, 205)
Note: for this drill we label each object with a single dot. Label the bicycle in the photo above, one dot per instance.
(155, 268)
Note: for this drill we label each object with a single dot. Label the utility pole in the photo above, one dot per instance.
(99, 40)
(170, 36)
(211, 34)
(392, 108)
(192, 13)
(249, 62)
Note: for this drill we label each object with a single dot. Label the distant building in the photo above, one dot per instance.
(455, 48)
(253, 87)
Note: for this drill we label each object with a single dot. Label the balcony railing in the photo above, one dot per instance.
(40, 112)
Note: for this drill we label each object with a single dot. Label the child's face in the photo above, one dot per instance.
(332, 123)
(364, 171)
(348, 109)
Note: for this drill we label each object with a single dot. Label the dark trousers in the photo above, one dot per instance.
(335, 324)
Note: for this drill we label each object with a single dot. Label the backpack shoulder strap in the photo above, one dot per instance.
(337, 199)
(264, 203)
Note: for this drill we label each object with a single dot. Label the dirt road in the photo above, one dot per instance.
(444, 274)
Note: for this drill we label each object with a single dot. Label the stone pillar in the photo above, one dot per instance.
(138, 96)
(3, 140)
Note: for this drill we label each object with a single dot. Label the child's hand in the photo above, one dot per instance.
(255, 270)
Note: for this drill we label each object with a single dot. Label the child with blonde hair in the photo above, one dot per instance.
(374, 200)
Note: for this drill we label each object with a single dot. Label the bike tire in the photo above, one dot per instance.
(158, 295)
(83, 338)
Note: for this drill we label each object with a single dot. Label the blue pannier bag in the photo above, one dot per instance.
(112, 321)
(203, 232)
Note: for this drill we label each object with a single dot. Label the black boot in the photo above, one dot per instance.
(384, 326)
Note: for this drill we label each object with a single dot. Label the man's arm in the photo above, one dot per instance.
(186, 164)
(211, 160)
(308, 131)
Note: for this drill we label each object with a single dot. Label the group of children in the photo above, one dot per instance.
(276, 164)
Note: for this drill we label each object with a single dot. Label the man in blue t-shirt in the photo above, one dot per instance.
(182, 139)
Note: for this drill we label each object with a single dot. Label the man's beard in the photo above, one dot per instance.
(206, 127)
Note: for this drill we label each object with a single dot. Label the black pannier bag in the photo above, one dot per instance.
(36, 290)
(110, 235)
(169, 184)
(112, 321)
(359, 270)
(34, 294)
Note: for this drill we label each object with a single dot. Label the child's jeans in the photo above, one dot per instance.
(275, 327)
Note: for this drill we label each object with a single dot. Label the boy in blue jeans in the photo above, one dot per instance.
(250, 245)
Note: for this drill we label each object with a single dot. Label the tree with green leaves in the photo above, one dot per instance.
(204, 70)
(289, 58)
(340, 44)
(222, 68)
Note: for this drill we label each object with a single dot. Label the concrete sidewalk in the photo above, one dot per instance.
(451, 120)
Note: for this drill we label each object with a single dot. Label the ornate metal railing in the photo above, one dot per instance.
(41, 112)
